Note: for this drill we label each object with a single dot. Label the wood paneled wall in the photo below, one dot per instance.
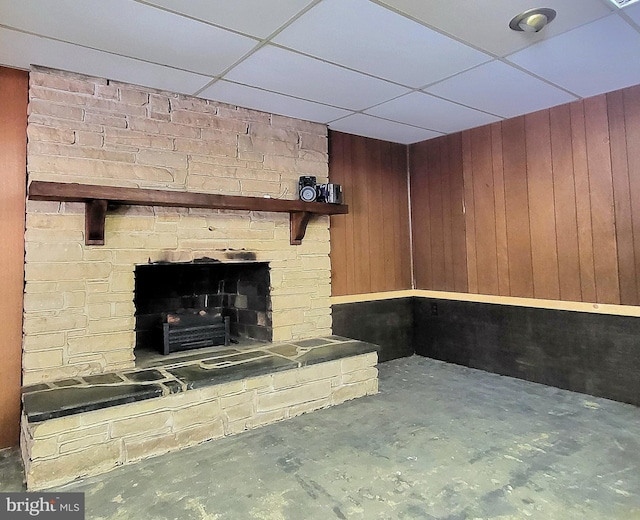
(13, 178)
(370, 247)
(437, 206)
(549, 208)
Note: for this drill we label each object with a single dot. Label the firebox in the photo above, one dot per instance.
(182, 306)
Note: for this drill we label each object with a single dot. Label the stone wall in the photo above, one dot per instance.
(78, 308)
(59, 450)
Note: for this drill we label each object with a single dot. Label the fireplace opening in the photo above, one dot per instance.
(183, 306)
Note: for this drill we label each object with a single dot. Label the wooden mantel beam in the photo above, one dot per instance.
(97, 198)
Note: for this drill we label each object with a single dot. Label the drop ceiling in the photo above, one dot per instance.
(397, 70)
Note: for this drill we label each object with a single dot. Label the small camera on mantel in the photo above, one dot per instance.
(310, 191)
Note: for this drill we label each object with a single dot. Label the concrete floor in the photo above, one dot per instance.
(439, 442)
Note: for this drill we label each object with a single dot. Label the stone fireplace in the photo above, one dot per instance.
(79, 316)
(91, 310)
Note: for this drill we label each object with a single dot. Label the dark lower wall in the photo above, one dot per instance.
(590, 353)
(386, 323)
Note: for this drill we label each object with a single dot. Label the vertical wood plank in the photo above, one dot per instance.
(420, 213)
(484, 207)
(583, 202)
(458, 229)
(628, 283)
(375, 220)
(601, 192)
(362, 275)
(338, 166)
(565, 204)
(402, 225)
(446, 173)
(436, 216)
(502, 251)
(469, 210)
(13, 154)
(544, 254)
(632, 126)
(517, 208)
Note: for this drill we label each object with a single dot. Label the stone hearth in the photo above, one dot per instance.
(91, 424)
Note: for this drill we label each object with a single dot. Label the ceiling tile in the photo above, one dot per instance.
(486, 24)
(249, 97)
(433, 113)
(599, 57)
(21, 50)
(131, 29)
(367, 37)
(369, 126)
(500, 89)
(287, 72)
(258, 18)
(633, 11)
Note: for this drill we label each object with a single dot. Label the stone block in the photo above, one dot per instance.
(285, 379)
(262, 419)
(258, 383)
(87, 441)
(60, 470)
(106, 120)
(43, 358)
(348, 392)
(48, 134)
(43, 341)
(354, 363)
(359, 375)
(43, 448)
(320, 371)
(201, 413)
(202, 120)
(206, 147)
(37, 106)
(293, 396)
(142, 448)
(55, 81)
(43, 301)
(133, 97)
(314, 142)
(240, 411)
(300, 409)
(111, 325)
(200, 433)
(141, 424)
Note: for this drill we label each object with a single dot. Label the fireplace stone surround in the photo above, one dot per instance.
(79, 313)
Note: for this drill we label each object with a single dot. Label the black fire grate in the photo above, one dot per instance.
(194, 329)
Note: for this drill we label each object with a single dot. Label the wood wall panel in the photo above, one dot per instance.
(544, 252)
(13, 153)
(516, 191)
(438, 222)
(551, 204)
(370, 247)
(565, 204)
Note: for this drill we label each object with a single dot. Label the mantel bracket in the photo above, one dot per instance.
(298, 224)
(95, 213)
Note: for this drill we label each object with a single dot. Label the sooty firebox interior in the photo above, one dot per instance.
(181, 306)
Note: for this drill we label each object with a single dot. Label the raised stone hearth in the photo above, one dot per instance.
(92, 424)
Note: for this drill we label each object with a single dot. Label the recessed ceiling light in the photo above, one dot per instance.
(622, 3)
(533, 20)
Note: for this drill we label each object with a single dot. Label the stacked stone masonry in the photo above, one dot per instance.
(59, 450)
(78, 307)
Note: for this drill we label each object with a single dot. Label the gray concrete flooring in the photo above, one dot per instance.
(438, 442)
